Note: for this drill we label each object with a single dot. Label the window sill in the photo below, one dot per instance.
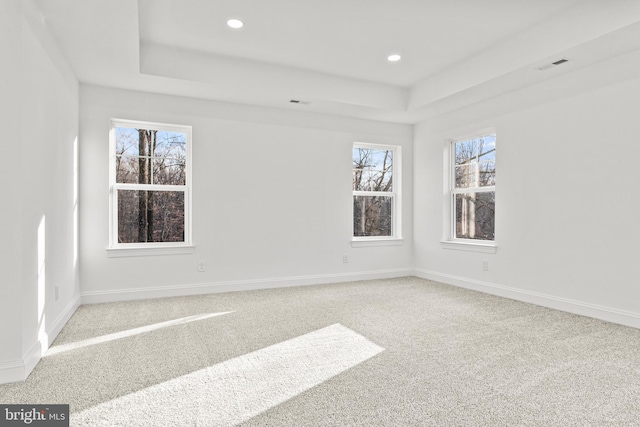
(153, 251)
(487, 248)
(376, 242)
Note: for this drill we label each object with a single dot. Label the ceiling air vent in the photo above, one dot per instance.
(297, 101)
(553, 64)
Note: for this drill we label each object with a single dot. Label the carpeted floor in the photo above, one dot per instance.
(401, 352)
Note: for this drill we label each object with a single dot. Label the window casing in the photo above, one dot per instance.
(472, 189)
(376, 192)
(150, 185)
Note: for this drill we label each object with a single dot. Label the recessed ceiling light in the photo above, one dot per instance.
(394, 58)
(235, 23)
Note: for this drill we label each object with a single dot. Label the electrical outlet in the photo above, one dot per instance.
(202, 266)
(57, 292)
(345, 259)
(485, 265)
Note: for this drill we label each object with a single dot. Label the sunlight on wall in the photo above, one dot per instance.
(57, 349)
(238, 389)
(42, 270)
(75, 202)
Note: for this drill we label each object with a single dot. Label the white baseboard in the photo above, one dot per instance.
(238, 285)
(19, 370)
(608, 314)
(11, 372)
(62, 319)
(33, 356)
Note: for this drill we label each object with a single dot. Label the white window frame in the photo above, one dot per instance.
(450, 241)
(148, 248)
(396, 195)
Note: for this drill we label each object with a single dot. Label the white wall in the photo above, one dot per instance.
(271, 198)
(10, 219)
(567, 222)
(41, 103)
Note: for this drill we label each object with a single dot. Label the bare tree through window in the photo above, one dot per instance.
(374, 192)
(474, 182)
(150, 185)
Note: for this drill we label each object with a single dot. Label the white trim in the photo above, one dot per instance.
(150, 187)
(614, 315)
(12, 372)
(114, 186)
(126, 123)
(361, 242)
(19, 370)
(450, 189)
(237, 285)
(62, 319)
(374, 193)
(471, 246)
(474, 134)
(134, 251)
(396, 194)
(34, 355)
(360, 144)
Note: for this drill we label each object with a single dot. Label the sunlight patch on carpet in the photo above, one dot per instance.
(238, 389)
(57, 349)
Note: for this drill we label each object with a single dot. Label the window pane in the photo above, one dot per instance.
(137, 149)
(466, 176)
(475, 162)
(170, 144)
(465, 152)
(127, 170)
(487, 161)
(169, 171)
(127, 142)
(487, 148)
(487, 176)
(372, 169)
(475, 215)
(133, 170)
(372, 216)
(150, 216)
(465, 164)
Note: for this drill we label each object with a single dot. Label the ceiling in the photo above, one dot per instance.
(331, 54)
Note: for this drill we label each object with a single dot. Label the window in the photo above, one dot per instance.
(376, 190)
(150, 178)
(473, 190)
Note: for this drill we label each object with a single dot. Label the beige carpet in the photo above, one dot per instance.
(397, 352)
